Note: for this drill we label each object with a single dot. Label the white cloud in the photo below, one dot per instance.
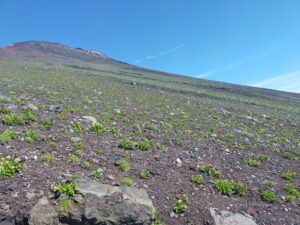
(149, 57)
(286, 82)
(206, 74)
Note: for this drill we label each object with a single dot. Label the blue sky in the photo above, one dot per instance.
(251, 42)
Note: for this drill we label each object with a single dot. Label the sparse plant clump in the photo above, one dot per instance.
(97, 174)
(86, 164)
(47, 158)
(269, 196)
(253, 163)
(145, 174)
(292, 190)
(29, 116)
(156, 220)
(211, 171)
(290, 156)
(145, 145)
(46, 123)
(74, 159)
(197, 179)
(7, 136)
(124, 166)
(128, 182)
(263, 157)
(68, 188)
(12, 120)
(98, 128)
(78, 127)
(126, 144)
(9, 166)
(181, 204)
(228, 188)
(64, 205)
(288, 175)
(5, 110)
(32, 136)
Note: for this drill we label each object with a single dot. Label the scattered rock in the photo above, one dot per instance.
(229, 218)
(75, 139)
(32, 107)
(43, 214)
(55, 108)
(30, 195)
(89, 119)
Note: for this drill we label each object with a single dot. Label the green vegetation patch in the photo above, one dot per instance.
(9, 166)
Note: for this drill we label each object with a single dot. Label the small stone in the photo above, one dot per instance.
(30, 195)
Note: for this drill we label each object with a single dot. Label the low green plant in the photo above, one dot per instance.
(181, 204)
(29, 116)
(78, 127)
(288, 175)
(64, 205)
(98, 128)
(97, 174)
(253, 163)
(145, 145)
(12, 120)
(290, 198)
(126, 144)
(32, 136)
(46, 123)
(197, 179)
(7, 136)
(290, 156)
(128, 182)
(228, 188)
(156, 220)
(74, 159)
(47, 158)
(292, 190)
(5, 110)
(86, 164)
(68, 188)
(263, 157)
(211, 171)
(269, 196)
(124, 166)
(145, 174)
(9, 166)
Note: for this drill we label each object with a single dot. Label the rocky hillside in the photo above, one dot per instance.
(72, 118)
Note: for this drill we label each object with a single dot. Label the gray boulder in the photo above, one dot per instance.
(43, 214)
(106, 204)
(229, 218)
(89, 119)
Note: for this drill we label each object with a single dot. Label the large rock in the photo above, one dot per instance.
(43, 214)
(229, 218)
(98, 203)
(106, 204)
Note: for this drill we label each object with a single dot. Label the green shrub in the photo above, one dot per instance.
(145, 145)
(74, 159)
(253, 163)
(77, 127)
(12, 120)
(181, 204)
(86, 164)
(228, 188)
(128, 182)
(124, 166)
(64, 206)
(263, 157)
(5, 110)
(9, 166)
(69, 188)
(290, 156)
(32, 136)
(156, 220)
(145, 174)
(269, 196)
(29, 116)
(292, 190)
(46, 123)
(7, 136)
(211, 171)
(126, 144)
(96, 174)
(98, 128)
(197, 179)
(289, 175)
(47, 158)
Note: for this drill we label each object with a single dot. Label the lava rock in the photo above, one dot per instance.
(229, 218)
